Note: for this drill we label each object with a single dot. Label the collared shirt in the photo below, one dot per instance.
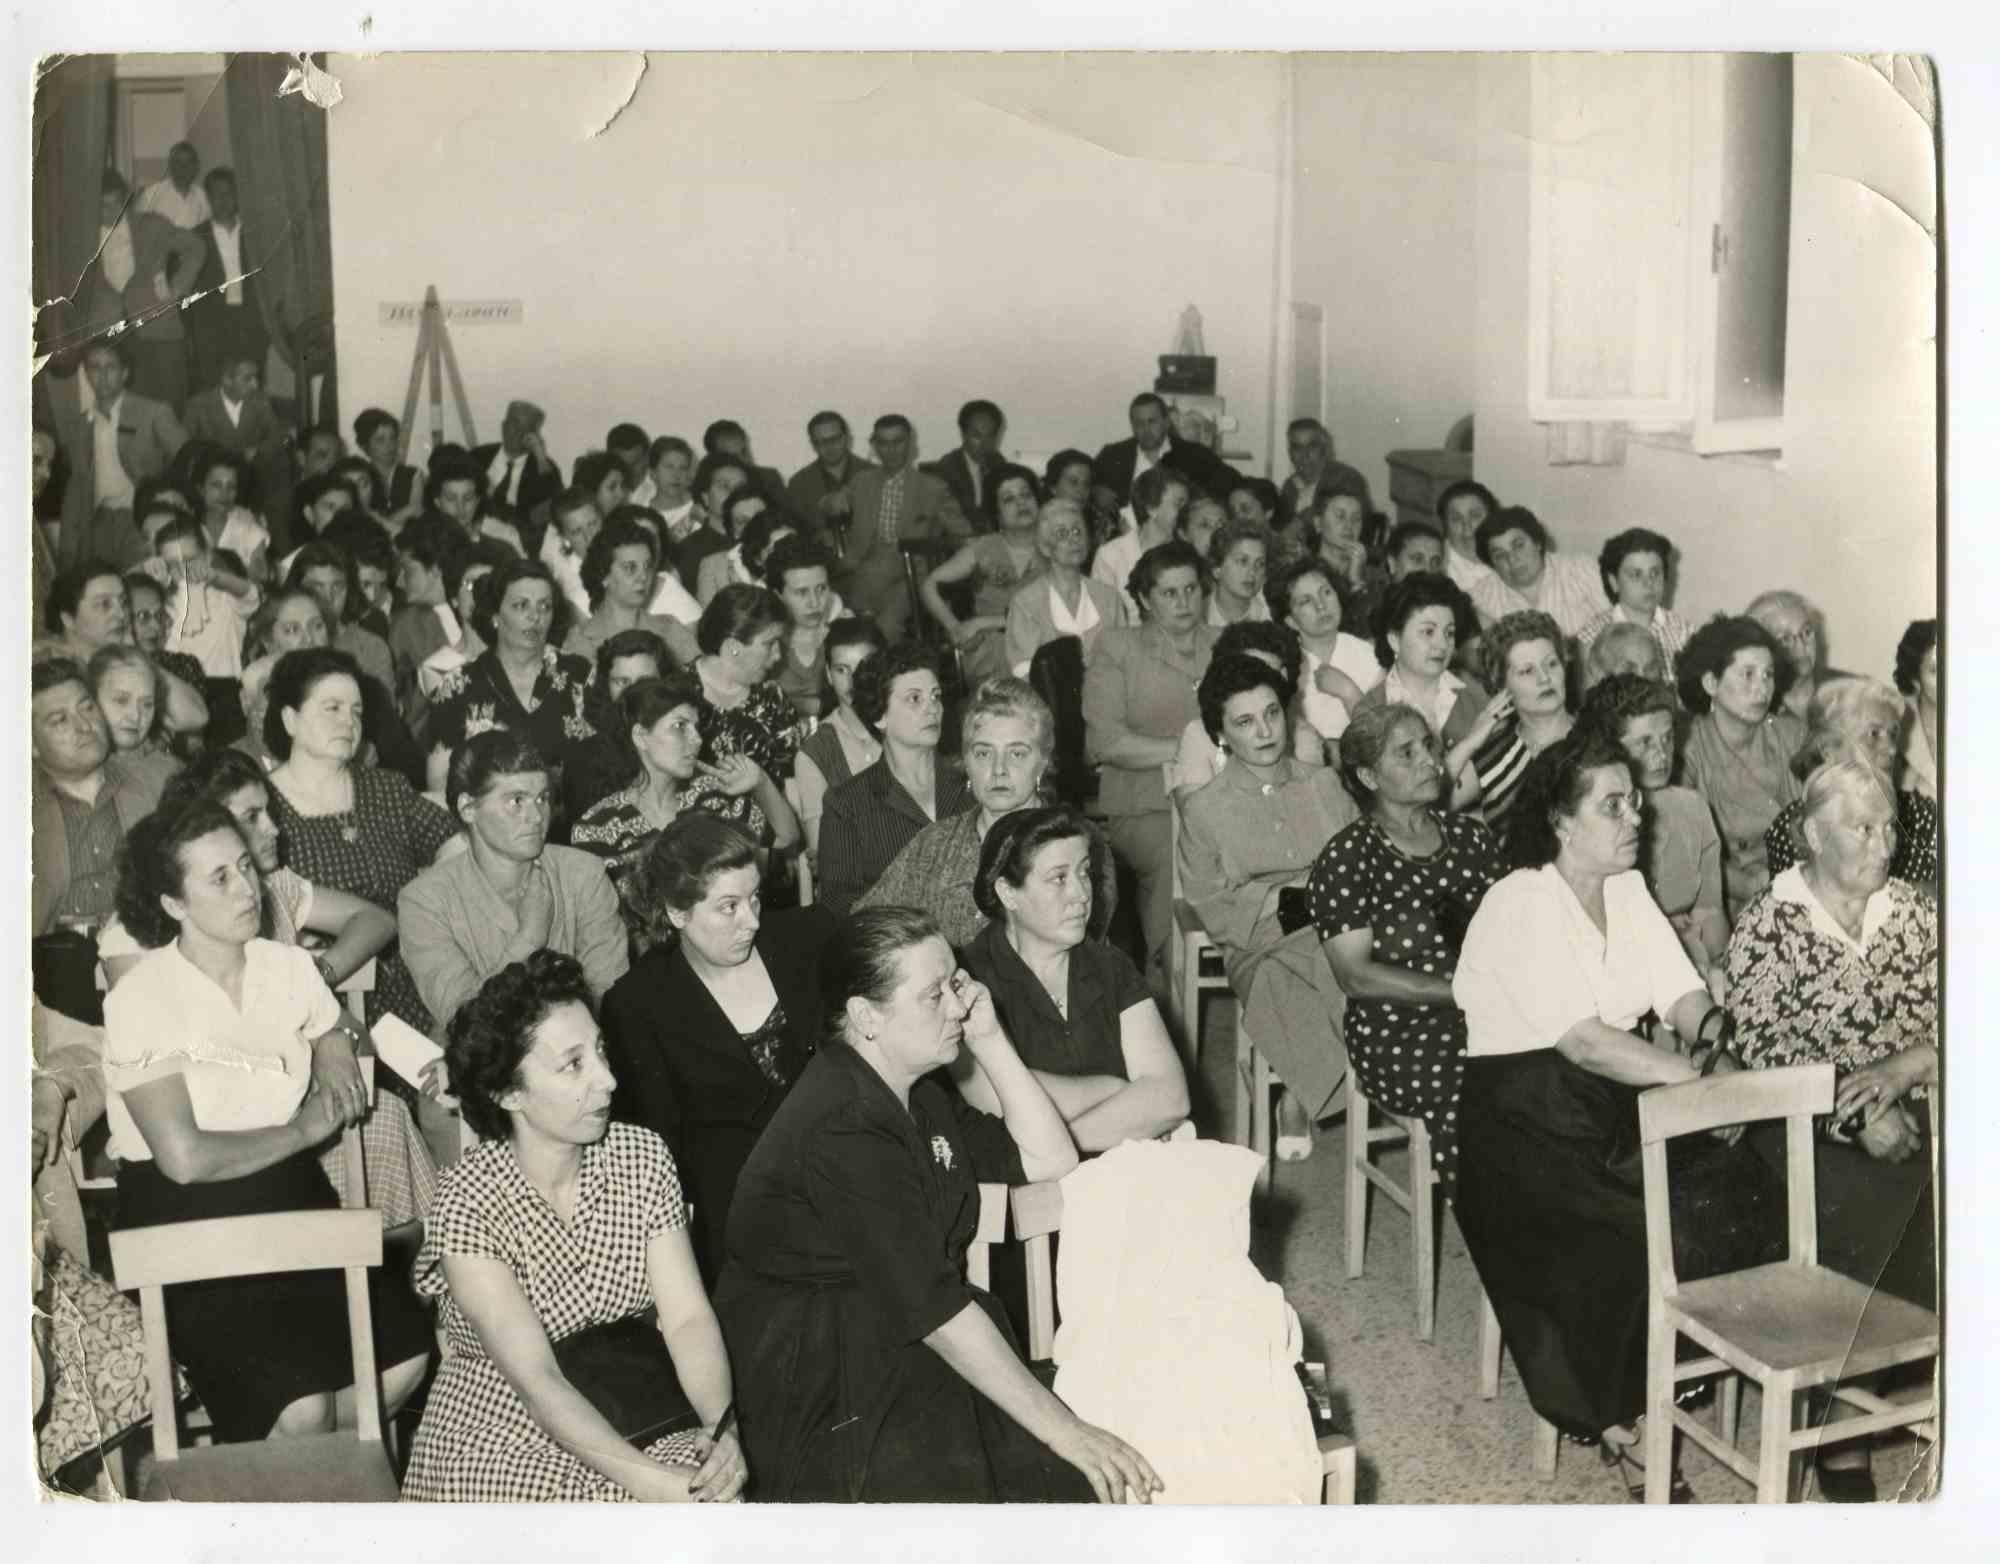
(1571, 592)
(94, 834)
(114, 250)
(1142, 463)
(868, 819)
(1101, 984)
(1259, 610)
(503, 478)
(1666, 627)
(1790, 887)
(1244, 838)
(114, 484)
(1113, 566)
(890, 517)
(233, 411)
(189, 210)
(1351, 656)
(1438, 709)
(229, 245)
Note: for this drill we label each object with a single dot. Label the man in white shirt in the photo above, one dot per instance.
(178, 198)
(226, 319)
(144, 267)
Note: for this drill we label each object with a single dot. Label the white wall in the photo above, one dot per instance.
(1383, 240)
(1849, 515)
(760, 236)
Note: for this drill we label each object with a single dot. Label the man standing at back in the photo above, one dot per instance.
(143, 268)
(894, 504)
(178, 198)
(226, 320)
(968, 471)
(1153, 442)
(123, 440)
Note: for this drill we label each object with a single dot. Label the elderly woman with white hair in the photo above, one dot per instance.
(1062, 600)
(1624, 648)
(1799, 627)
(1854, 718)
(1009, 735)
(1837, 963)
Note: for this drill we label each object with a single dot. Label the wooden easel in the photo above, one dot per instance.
(434, 348)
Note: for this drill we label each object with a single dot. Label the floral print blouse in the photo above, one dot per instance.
(478, 697)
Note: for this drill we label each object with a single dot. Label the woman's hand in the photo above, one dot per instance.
(1889, 1136)
(434, 1080)
(1868, 1089)
(336, 1074)
(319, 1117)
(1728, 1134)
(723, 1472)
(1495, 712)
(1718, 985)
(45, 1120)
(982, 1021)
(1331, 681)
(737, 775)
(1118, 1474)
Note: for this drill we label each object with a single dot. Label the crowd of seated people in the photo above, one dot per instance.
(761, 775)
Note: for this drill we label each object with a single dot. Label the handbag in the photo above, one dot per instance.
(622, 1368)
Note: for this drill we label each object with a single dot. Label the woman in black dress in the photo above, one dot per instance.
(711, 1027)
(868, 1367)
(1392, 894)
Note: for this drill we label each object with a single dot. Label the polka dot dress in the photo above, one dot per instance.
(1408, 1059)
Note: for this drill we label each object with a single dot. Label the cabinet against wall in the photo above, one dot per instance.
(1660, 241)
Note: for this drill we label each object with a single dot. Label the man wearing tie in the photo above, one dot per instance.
(520, 473)
(123, 440)
(1153, 443)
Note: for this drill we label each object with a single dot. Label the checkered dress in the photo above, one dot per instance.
(478, 1442)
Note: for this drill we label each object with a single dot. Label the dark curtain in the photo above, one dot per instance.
(279, 147)
(73, 99)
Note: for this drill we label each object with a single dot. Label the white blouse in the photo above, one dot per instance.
(1534, 964)
(245, 1069)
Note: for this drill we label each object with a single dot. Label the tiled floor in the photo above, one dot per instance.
(1424, 1435)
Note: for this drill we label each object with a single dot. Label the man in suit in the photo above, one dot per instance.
(143, 268)
(123, 440)
(1153, 442)
(236, 415)
(226, 320)
(1316, 476)
(522, 478)
(968, 471)
(726, 437)
(895, 504)
(820, 493)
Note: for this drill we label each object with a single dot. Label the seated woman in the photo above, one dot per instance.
(756, 528)
(126, 686)
(217, 478)
(1916, 678)
(800, 572)
(1837, 963)
(1062, 600)
(998, 565)
(213, 1112)
(1634, 565)
(1305, 599)
(1339, 523)
(595, 767)
(1628, 649)
(617, 573)
(1562, 960)
(1009, 736)
(1236, 555)
(1416, 637)
(1138, 696)
(559, 1220)
(513, 893)
(842, 745)
(743, 712)
(1739, 746)
(869, 1368)
(712, 1025)
(1247, 844)
(1159, 495)
(1799, 629)
(869, 819)
(1202, 756)
(1528, 572)
(660, 722)
(1391, 897)
(1681, 856)
(1083, 1019)
(1522, 658)
(1850, 719)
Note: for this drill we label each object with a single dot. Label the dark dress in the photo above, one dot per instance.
(389, 839)
(847, 1246)
(1408, 1059)
(1103, 984)
(765, 727)
(870, 818)
(688, 1075)
(479, 696)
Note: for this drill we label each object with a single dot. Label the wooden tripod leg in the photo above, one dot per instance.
(457, 385)
(416, 376)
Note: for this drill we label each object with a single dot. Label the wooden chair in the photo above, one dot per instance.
(1418, 1200)
(348, 1466)
(1255, 1082)
(1036, 1210)
(354, 992)
(803, 859)
(1193, 959)
(1790, 1326)
(1543, 1453)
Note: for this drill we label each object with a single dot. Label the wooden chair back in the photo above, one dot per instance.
(359, 984)
(150, 1259)
(1793, 1094)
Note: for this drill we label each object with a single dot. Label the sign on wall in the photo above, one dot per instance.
(458, 312)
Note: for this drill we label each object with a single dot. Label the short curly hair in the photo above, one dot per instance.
(1633, 540)
(1232, 532)
(598, 558)
(1510, 518)
(1230, 674)
(1552, 788)
(1174, 554)
(1598, 660)
(1508, 632)
(1279, 584)
(150, 866)
(1621, 698)
(292, 681)
(494, 1030)
(1911, 651)
(796, 552)
(491, 589)
(1008, 853)
(1712, 648)
(879, 671)
(1419, 590)
(1840, 708)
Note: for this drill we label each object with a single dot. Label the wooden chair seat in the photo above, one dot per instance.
(1814, 1324)
(316, 1469)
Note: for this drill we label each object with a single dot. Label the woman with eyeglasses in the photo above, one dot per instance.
(514, 892)
(1062, 600)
